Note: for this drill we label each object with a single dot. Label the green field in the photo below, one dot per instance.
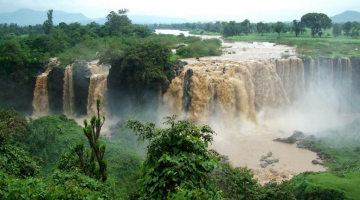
(306, 45)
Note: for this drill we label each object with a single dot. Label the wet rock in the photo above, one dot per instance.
(224, 70)
(298, 135)
(266, 161)
(263, 158)
(224, 159)
(315, 162)
(263, 165)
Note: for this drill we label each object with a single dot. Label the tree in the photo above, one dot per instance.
(356, 29)
(230, 29)
(77, 159)
(279, 27)
(144, 66)
(245, 27)
(117, 21)
(92, 132)
(316, 22)
(346, 27)
(177, 157)
(298, 27)
(13, 126)
(48, 24)
(261, 28)
(336, 30)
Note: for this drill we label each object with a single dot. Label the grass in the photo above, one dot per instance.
(341, 148)
(348, 184)
(306, 45)
(202, 32)
(175, 57)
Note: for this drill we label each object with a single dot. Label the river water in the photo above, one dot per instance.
(246, 144)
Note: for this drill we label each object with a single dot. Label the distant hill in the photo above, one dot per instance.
(31, 17)
(346, 16)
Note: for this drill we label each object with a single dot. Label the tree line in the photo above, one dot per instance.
(316, 22)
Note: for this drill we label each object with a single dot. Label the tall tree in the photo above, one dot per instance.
(279, 27)
(316, 22)
(117, 21)
(355, 30)
(261, 28)
(298, 27)
(48, 24)
(245, 26)
(230, 29)
(336, 30)
(346, 27)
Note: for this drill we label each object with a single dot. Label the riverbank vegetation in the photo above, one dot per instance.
(310, 37)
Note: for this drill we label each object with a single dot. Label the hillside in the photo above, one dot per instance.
(31, 17)
(346, 16)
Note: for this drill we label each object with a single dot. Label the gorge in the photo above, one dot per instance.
(248, 103)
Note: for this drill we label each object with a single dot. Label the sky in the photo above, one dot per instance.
(223, 10)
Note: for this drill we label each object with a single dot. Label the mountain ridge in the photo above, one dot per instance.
(349, 15)
(26, 16)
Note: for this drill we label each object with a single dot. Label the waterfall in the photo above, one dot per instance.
(97, 87)
(41, 98)
(68, 92)
(234, 91)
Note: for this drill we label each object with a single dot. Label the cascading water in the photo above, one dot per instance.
(41, 98)
(232, 90)
(97, 87)
(68, 92)
(239, 90)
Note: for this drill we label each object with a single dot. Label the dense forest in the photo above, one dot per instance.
(52, 157)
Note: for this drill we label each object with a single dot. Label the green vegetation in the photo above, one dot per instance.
(202, 32)
(52, 157)
(207, 47)
(177, 158)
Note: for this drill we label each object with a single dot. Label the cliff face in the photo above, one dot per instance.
(233, 91)
(55, 86)
(81, 81)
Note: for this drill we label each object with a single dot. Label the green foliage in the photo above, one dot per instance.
(118, 22)
(13, 126)
(176, 157)
(304, 186)
(14, 188)
(316, 22)
(62, 186)
(77, 186)
(298, 27)
(261, 28)
(80, 160)
(92, 132)
(19, 67)
(48, 24)
(230, 29)
(50, 136)
(336, 30)
(237, 183)
(279, 27)
(207, 47)
(347, 28)
(15, 161)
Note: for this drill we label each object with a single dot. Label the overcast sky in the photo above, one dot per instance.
(254, 10)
